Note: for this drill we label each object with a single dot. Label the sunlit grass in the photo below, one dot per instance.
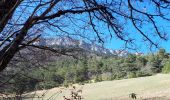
(145, 87)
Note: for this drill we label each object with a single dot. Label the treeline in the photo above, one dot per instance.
(94, 69)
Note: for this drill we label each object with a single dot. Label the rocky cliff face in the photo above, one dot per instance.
(70, 42)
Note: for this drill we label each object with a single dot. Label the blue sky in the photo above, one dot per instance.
(118, 44)
(163, 25)
(115, 43)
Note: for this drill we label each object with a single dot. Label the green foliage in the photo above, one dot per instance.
(98, 78)
(145, 71)
(21, 84)
(166, 68)
(106, 76)
(132, 75)
(68, 71)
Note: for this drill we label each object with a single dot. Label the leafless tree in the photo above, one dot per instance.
(22, 22)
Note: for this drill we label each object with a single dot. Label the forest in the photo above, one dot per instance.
(135, 25)
(66, 71)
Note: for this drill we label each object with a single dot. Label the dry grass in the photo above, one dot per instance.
(155, 87)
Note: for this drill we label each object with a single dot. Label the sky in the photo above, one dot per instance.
(118, 44)
(115, 43)
(142, 46)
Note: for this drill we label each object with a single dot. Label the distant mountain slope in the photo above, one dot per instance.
(70, 42)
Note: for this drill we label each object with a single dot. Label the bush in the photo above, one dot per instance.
(98, 78)
(49, 84)
(145, 71)
(166, 68)
(106, 76)
(131, 75)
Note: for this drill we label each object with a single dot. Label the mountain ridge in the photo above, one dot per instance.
(70, 42)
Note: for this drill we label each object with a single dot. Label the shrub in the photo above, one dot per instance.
(131, 75)
(49, 84)
(145, 71)
(166, 68)
(98, 78)
(106, 76)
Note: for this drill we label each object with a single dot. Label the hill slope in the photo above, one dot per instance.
(155, 87)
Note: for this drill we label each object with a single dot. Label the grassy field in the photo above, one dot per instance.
(155, 87)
